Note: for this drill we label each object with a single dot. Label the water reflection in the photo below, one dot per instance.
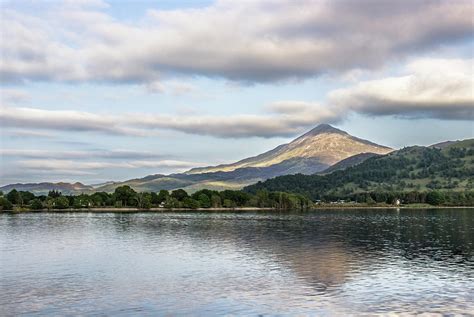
(323, 262)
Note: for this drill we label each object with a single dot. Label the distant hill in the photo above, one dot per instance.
(412, 168)
(44, 188)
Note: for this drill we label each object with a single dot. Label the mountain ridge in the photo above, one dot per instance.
(312, 152)
(324, 141)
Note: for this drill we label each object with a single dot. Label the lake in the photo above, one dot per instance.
(324, 262)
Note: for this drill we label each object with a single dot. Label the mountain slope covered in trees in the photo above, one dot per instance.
(415, 168)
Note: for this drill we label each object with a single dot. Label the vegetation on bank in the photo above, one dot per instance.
(126, 197)
(414, 175)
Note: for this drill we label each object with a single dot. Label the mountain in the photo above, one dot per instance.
(348, 162)
(44, 188)
(413, 168)
(310, 153)
(324, 145)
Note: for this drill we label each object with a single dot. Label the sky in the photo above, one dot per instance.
(95, 90)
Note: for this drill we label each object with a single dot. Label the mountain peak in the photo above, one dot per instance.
(323, 128)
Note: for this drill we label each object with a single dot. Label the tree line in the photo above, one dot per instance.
(125, 196)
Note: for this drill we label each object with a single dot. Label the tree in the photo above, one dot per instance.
(60, 202)
(216, 201)
(54, 193)
(5, 204)
(143, 200)
(26, 197)
(229, 203)
(188, 202)
(204, 201)
(36, 204)
(162, 196)
(14, 197)
(435, 198)
(179, 194)
(172, 202)
(126, 195)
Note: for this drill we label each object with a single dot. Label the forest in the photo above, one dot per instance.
(126, 197)
(412, 175)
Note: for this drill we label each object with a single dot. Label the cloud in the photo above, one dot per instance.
(66, 165)
(436, 88)
(91, 154)
(25, 133)
(63, 120)
(174, 88)
(145, 124)
(283, 40)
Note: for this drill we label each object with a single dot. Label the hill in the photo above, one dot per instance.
(348, 162)
(45, 187)
(324, 145)
(412, 168)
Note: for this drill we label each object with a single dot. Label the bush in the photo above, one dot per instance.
(5, 204)
(36, 204)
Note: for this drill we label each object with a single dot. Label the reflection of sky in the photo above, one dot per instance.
(236, 263)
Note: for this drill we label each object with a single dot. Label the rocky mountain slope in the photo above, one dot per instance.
(325, 145)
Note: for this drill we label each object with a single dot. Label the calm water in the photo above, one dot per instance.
(318, 263)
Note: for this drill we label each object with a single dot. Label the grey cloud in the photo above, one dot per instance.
(283, 40)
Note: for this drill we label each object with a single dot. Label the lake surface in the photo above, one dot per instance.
(339, 262)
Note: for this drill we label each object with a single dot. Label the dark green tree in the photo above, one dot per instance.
(14, 197)
(125, 195)
(204, 201)
(435, 198)
(60, 202)
(5, 204)
(163, 195)
(36, 204)
(179, 194)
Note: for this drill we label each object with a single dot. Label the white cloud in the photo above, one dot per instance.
(90, 154)
(63, 165)
(175, 88)
(439, 88)
(247, 41)
(145, 124)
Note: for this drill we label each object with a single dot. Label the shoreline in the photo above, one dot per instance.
(237, 209)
